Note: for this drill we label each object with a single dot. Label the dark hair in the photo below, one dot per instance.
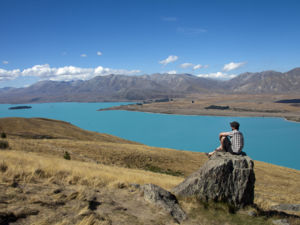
(235, 125)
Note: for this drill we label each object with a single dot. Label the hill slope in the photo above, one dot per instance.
(95, 185)
(41, 128)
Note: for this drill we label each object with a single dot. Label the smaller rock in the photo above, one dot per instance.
(288, 207)
(281, 222)
(136, 186)
(165, 200)
(252, 213)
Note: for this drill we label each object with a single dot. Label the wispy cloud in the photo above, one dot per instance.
(99, 53)
(191, 31)
(218, 75)
(186, 65)
(172, 72)
(66, 73)
(194, 66)
(5, 62)
(83, 55)
(233, 66)
(169, 19)
(170, 59)
(198, 66)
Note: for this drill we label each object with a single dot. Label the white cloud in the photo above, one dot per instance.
(169, 19)
(217, 75)
(99, 53)
(9, 74)
(190, 31)
(5, 62)
(171, 58)
(38, 71)
(172, 72)
(66, 73)
(186, 65)
(198, 66)
(233, 66)
(83, 55)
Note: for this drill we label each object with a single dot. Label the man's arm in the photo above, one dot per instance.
(223, 134)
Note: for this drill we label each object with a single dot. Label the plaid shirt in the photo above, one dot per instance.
(237, 141)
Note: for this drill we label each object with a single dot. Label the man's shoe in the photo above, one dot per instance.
(207, 154)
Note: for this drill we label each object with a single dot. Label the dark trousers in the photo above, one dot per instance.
(227, 145)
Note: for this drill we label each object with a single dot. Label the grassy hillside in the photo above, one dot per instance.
(107, 164)
(41, 128)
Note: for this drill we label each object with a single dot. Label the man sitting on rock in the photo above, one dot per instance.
(234, 145)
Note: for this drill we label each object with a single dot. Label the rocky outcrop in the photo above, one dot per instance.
(164, 199)
(224, 178)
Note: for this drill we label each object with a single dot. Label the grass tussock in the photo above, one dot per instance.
(4, 144)
(3, 135)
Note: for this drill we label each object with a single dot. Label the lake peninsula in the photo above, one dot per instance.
(221, 105)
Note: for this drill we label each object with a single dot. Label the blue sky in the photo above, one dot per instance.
(66, 40)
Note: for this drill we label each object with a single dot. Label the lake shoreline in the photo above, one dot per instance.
(204, 112)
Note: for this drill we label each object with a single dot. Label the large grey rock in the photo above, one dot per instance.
(225, 178)
(164, 199)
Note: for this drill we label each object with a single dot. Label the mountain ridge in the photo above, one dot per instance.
(135, 88)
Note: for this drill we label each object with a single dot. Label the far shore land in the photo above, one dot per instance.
(238, 106)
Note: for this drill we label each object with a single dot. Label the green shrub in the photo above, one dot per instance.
(3, 135)
(3, 144)
(157, 169)
(3, 167)
(67, 156)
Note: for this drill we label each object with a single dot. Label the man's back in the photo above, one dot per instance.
(237, 141)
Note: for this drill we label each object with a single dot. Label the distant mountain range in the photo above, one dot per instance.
(133, 88)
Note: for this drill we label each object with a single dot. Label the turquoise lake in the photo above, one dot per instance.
(272, 140)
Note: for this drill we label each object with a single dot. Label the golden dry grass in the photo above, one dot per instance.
(125, 155)
(276, 185)
(29, 167)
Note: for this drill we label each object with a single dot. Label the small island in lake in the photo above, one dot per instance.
(20, 107)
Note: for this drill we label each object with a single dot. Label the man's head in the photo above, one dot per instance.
(235, 125)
